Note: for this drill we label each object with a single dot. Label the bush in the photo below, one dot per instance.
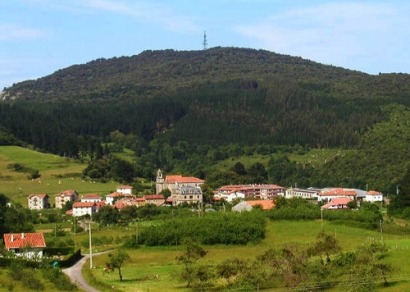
(213, 228)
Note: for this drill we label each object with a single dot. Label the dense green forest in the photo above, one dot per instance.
(187, 110)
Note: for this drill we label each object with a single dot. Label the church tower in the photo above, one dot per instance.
(159, 182)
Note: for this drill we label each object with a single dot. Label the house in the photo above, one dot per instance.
(249, 205)
(328, 194)
(261, 191)
(64, 197)
(157, 200)
(91, 198)
(310, 193)
(84, 208)
(38, 201)
(229, 197)
(111, 198)
(186, 194)
(129, 201)
(373, 196)
(27, 245)
(337, 203)
(124, 189)
(171, 182)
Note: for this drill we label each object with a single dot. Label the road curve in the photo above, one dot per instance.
(74, 273)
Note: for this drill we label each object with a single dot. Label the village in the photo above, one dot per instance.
(187, 190)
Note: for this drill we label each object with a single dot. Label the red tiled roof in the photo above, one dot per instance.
(124, 187)
(374, 193)
(338, 192)
(37, 195)
(118, 194)
(182, 179)
(92, 196)
(265, 204)
(21, 240)
(99, 204)
(337, 202)
(154, 197)
(83, 204)
(66, 193)
(169, 199)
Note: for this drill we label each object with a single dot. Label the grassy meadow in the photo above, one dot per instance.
(57, 174)
(155, 268)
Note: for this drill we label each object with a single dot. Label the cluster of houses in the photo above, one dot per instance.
(183, 190)
(187, 190)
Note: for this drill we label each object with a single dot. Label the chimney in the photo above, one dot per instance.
(22, 236)
(12, 238)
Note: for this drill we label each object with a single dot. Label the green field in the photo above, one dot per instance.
(57, 174)
(147, 262)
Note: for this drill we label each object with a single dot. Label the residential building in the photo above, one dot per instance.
(91, 198)
(261, 191)
(337, 203)
(84, 208)
(124, 189)
(38, 201)
(310, 193)
(330, 193)
(249, 205)
(373, 196)
(186, 194)
(229, 197)
(111, 198)
(27, 245)
(157, 200)
(64, 197)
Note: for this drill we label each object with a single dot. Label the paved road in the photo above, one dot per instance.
(76, 276)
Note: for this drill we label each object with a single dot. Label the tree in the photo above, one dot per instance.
(193, 252)
(107, 215)
(117, 260)
(325, 245)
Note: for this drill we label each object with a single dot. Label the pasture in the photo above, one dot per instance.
(57, 174)
(155, 268)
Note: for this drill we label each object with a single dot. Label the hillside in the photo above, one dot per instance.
(186, 110)
(156, 72)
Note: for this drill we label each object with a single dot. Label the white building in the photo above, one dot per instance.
(302, 193)
(373, 196)
(84, 208)
(229, 197)
(124, 189)
(91, 198)
(27, 245)
(38, 201)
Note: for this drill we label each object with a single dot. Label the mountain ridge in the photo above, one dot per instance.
(150, 72)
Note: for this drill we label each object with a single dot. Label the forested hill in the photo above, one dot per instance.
(184, 110)
(154, 73)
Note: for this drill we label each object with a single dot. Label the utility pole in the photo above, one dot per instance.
(321, 216)
(205, 43)
(91, 246)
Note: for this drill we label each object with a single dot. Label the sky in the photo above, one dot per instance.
(39, 37)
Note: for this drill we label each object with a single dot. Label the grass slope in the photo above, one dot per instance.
(57, 174)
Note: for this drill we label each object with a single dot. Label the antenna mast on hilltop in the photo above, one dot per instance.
(205, 43)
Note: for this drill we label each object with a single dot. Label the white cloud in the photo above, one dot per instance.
(147, 12)
(15, 32)
(340, 33)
